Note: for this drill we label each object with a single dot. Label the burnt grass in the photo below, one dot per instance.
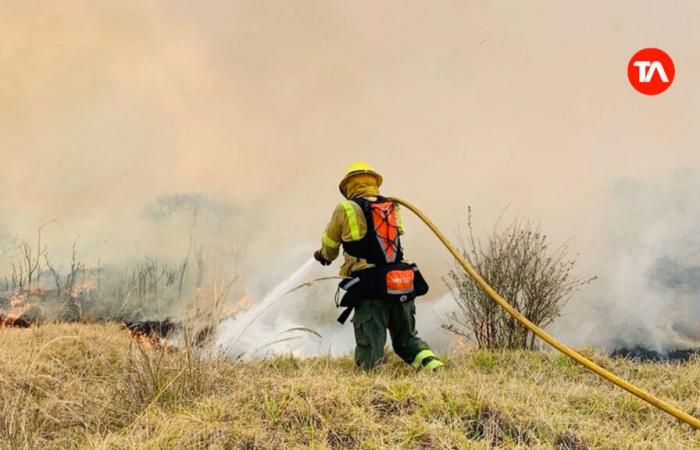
(644, 354)
(154, 329)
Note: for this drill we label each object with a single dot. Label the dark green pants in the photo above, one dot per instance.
(371, 320)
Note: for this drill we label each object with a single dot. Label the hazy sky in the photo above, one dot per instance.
(104, 105)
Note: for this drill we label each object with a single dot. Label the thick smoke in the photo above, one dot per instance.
(110, 110)
(648, 267)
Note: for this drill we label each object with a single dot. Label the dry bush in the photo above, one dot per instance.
(518, 263)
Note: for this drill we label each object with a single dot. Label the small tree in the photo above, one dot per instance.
(517, 262)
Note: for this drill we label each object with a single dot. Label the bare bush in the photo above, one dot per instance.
(517, 262)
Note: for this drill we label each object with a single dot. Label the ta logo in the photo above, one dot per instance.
(651, 71)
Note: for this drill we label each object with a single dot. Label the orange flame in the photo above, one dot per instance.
(147, 340)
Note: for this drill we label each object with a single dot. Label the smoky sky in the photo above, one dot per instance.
(259, 105)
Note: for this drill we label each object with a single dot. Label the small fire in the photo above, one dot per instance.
(147, 340)
(19, 304)
(13, 321)
(152, 333)
(242, 304)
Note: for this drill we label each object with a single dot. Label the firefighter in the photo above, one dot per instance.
(384, 286)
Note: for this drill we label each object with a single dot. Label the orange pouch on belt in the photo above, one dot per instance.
(399, 281)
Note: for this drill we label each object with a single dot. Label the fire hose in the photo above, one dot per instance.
(539, 332)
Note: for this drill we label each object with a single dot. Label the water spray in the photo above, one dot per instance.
(579, 358)
(241, 323)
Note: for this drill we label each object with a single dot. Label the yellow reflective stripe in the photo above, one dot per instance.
(352, 220)
(399, 221)
(421, 356)
(328, 242)
(434, 364)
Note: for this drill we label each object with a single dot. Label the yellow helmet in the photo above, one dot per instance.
(357, 168)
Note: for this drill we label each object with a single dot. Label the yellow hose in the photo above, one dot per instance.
(644, 395)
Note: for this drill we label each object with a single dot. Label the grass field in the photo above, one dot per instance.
(93, 386)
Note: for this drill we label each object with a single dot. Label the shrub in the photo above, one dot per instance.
(518, 263)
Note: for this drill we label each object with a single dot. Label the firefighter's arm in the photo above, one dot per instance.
(332, 237)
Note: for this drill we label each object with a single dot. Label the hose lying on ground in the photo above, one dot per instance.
(579, 358)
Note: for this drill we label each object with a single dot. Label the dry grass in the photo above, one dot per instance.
(91, 386)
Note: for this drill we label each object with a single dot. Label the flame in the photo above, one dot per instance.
(147, 340)
(242, 304)
(20, 300)
(19, 304)
(13, 321)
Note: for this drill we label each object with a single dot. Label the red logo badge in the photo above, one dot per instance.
(651, 71)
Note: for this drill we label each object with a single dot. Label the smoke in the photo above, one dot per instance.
(649, 268)
(129, 121)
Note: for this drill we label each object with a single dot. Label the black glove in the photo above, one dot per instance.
(319, 257)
